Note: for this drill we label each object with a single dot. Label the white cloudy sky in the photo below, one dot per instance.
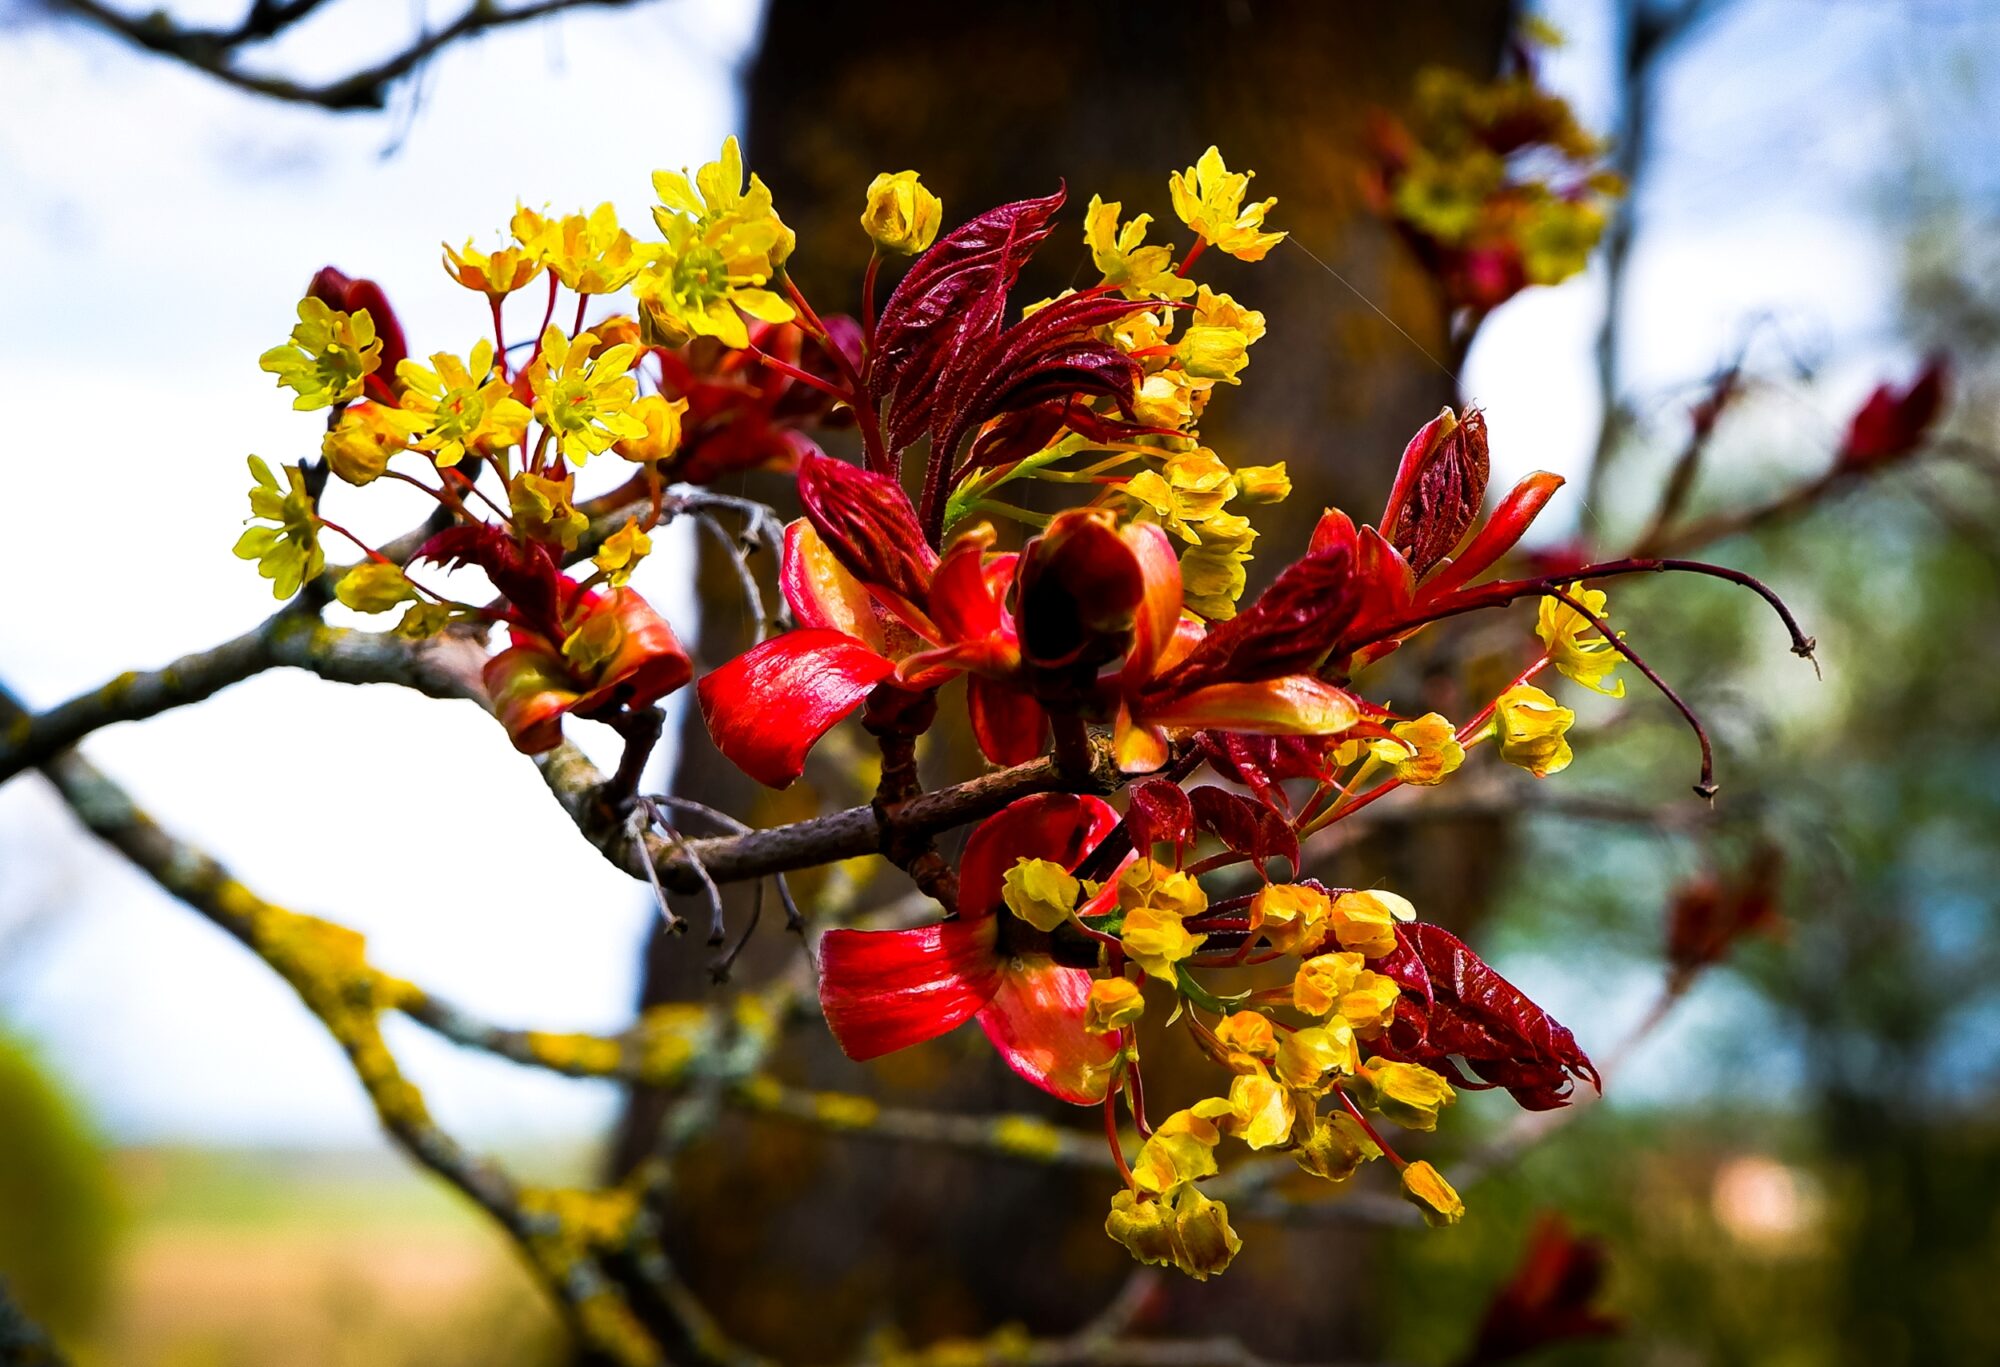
(156, 229)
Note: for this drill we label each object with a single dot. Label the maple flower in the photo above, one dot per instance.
(1562, 629)
(585, 399)
(1186, 1230)
(1041, 892)
(621, 553)
(1425, 1188)
(1366, 921)
(884, 990)
(723, 244)
(1209, 199)
(288, 552)
(901, 215)
(1156, 902)
(496, 275)
(616, 654)
(543, 509)
(466, 406)
(1181, 1148)
(1135, 270)
(662, 417)
(374, 586)
(1289, 915)
(357, 448)
(1530, 725)
(328, 357)
(589, 253)
(1115, 1004)
(1323, 980)
(1408, 1093)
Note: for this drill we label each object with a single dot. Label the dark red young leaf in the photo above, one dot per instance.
(526, 575)
(1261, 763)
(337, 289)
(952, 298)
(1547, 1300)
(1077, 588)
(1288, 630)
(1052, 354)
(1480, 1017)
(867, 522)
(1160, 810)
(1244, 825)
(1025, 431)
(1438, 491)
(1894, 423)
(1710, 914)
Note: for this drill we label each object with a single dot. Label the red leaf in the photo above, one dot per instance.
(866, 520)
(1509, 523)
(1035, 1021)
(1009, 724)
(1479, 1016)
(1892, 424)
(1548, 1299)
(1244, 824)
(769, 706)
(952, 299)
(884, 990)
(524, 573)
(1260, 763)
(1062, 827)
(1160, 810)
(1439, 488)
(1078, 589)
(1709, 915)
(1288, 630)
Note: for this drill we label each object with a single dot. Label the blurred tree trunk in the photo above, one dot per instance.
(804, 1245)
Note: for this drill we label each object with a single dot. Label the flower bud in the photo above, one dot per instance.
(1366, 921)
(1334, 1147)
(1290, 915)
(1041, 892)
(901, 215)
(1145, 1228)
(1407, 1093)
(1263, 483)
(1425, 1188)
(1531, 726)
(1115, 1004)
(1201, 1227)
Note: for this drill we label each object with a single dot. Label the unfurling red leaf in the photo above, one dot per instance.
(1261, 763)
(1288, 630)
(525, 572)
(1476, 1015)
(1892, 424)
(1244, 824)
(953, 298)
(866, 520)
(1438, 491)
(1160, 810)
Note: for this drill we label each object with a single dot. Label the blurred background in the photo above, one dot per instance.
(1798, 1164)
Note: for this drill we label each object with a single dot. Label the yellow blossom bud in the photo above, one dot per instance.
(1308, 1058)
(1201, 1227)
(1263, 1110)
(1211, 353)
(1157, 941)
(495, 276)
(1165, 399)
(1562, 629)
(1041, 892)
(1366, 921)
(1334, 1147)
(1531, 726)
(1424, 752)
(374, 586)
(621, 553)
(1369, 1005)
(1263, 483)
(1425, 1188)
(1181, 1149)
(1115, 1004)
(901, 215)
(662, 417)
(1290, 915)
(1323, 979)
(543, 510)
(1407, 1093)
(1249, 1033)
(1145, 1227)
(423, 620)
(359, 446)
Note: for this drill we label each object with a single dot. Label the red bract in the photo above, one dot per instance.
(1547, 1300)
(1708, 915)
(884, 990)
(1454, 1005)
(535, 682)
(338, 290)
(1893, 422)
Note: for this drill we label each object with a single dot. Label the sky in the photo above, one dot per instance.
(160, 227)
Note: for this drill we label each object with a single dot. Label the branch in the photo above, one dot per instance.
(1020, 1137)
(213, 51)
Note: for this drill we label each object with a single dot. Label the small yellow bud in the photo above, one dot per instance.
(1370, 1004)
(1213, 353)
(1041, 892)
(1335, 1147)
(1425, 1188)
(1323, 980)
(1308, 1059)
(1290, 915)
(1263, 483)
(901, 215)
(1182, 1149)
(1531, 726)
(1201, 1227)
(1263, 1111)
(621, 553)
(1115, 1004)
(662, 417)
(1407, 1093)
(1248, 1033)
(1144, 1227)
(1424, 752)
(1366, 921)
(374, 587)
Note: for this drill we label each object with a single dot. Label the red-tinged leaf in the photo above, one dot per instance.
(525, 574)
(1509, 523)
(1063, 827)
(820, 591)
(1709, 914)
(1010, 726)
(769, 706)
(867, 522)
(1549, 1298)
(1035, 1021)
(1893, 423)
(1025, 431)
(1051, 355)
(647, 665)
(952, 299)
(1297, 705)
(1244, 825)
(1078, 590)
(1160, 810)
(1477, 1015)
(1405, 965)
(884, 990)
(1439, 488)
(1335, 529)
(530, 691)
(1288, 630)
(336, 289)
(1262, 762)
